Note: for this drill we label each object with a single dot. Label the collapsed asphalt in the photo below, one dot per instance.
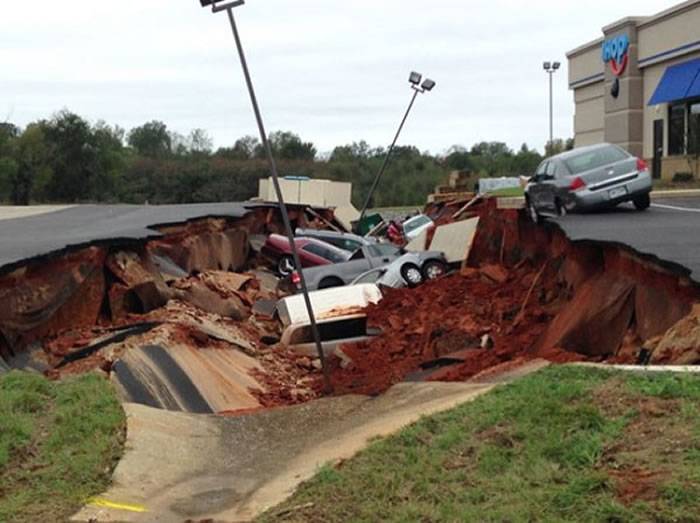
(35, 236)
(667, 231)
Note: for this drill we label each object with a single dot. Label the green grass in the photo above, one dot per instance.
(566, 444)
(509, 192)
(59, 442)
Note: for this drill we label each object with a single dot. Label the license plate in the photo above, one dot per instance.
(617, 192)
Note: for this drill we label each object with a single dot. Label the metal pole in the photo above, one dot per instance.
(388, 155)
(551, 110)
(278, 191)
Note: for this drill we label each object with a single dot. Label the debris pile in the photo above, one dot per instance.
(176, 323)
(453, 328)
(528, 292)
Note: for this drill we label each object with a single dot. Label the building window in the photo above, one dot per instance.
(676, 130)
(694, 128)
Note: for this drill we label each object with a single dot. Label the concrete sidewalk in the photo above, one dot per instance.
(181, 466)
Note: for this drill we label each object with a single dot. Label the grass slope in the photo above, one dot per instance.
(566, 444)
(59, 443)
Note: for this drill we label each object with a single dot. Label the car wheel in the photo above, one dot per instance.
(433, 269)
(285, 265)
(411, 275)
(532, 212)
(642, 203)
(561, 210)
(329, 283)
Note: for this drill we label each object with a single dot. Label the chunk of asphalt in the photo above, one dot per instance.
(117, 337)
(136, 391)
(181, 383)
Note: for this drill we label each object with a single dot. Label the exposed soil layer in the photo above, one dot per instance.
(529, 293)
(526, 292)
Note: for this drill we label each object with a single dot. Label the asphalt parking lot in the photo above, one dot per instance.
(669, 230)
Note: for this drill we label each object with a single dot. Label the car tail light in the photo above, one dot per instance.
(577, 184)
(296, 278)
(642, 165)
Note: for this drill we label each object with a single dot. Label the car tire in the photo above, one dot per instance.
(532, 212)
(642, 203)
(561, 210)
(329, 283)
(411, 275)
(433, 269)
(285, 265)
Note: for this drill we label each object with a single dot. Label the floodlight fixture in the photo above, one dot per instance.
(428, 85)
(551, 68)
(218, 6)
(418, 88)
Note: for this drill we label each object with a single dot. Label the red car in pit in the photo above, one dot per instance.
(311, 253)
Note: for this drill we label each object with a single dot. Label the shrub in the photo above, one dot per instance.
(683, 177)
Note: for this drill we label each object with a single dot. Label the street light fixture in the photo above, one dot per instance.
(551, 68)
(228, 6)
(415, 80)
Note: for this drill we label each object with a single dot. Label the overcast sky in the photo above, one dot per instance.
(332, 71)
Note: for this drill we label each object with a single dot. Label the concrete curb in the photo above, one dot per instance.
(690, 369)
(676, 193)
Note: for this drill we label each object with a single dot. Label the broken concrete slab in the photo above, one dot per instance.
(455, 239)
(182, 378)
(200, 295)
(419, 243)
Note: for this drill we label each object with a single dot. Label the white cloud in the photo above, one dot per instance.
(331, 71)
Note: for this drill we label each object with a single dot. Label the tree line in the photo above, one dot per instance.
(67, 159)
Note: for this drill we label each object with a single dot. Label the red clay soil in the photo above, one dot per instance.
(447, 316)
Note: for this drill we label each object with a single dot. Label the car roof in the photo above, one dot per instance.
(335, 234)
(413, 218)
(304, 240)
(575, 152)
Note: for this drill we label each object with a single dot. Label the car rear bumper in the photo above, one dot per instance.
(611, 195)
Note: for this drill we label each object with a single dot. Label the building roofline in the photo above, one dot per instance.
(586, 47)
(628, 20)
(667, 13)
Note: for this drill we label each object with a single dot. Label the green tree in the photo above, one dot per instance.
(459, 159)
(288, 146)
(152, 139)
(199, 142)
(32, 171)
(245, 148)
(558, 146)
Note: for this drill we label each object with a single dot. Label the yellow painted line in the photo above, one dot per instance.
(105, 503)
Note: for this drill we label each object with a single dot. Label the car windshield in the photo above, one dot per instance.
(414, 223)
(594, 159)
(326, 251)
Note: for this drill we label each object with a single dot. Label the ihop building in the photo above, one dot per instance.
(638, 86)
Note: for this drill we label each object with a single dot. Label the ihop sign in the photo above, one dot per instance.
(616, 52)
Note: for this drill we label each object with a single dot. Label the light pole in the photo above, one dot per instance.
(219, 6)
(551, 68)
(415, 80)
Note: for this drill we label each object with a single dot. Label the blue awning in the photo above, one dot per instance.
(678, 83)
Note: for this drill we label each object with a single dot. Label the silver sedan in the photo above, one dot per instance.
(590, 177)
